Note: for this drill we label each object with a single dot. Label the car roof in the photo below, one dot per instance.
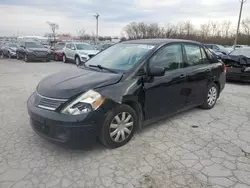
(158, 41)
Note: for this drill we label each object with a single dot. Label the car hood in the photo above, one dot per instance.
(67, 84)
(38, 49)
(92, 52)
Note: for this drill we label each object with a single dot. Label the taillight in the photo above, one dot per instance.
(225, 68)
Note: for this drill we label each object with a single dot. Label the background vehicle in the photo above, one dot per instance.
(217, 48)
(123, 88)
(238, 64)
(57, 51)
(9, 50)
(1, 45)
(31, 50)
(78, 52)
(102, 47)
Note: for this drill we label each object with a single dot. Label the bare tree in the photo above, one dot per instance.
(246, 26)
(53, 27)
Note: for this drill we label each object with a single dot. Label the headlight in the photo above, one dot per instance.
(91, 100)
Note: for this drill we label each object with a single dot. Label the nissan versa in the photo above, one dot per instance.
(123, 88)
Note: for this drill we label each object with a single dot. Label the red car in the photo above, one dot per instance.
(58, 51)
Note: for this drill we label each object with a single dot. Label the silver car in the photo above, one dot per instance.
(9, 50)
(78, 52)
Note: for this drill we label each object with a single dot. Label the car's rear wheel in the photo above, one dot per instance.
(64, 58)
(77, 60)
(211, 97)
(119, 126)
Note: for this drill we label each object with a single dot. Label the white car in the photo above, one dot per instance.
(78, 52)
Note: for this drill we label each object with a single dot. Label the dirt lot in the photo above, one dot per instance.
(196, 149)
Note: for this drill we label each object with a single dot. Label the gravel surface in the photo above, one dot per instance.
(196, 149)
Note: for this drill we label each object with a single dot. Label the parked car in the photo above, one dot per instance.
(217, 48)
(9, 50)
(58, 52)
(238, 64)
(217, 54)
(78, 52)
(2, 43)
(123, 88)
(31, 50)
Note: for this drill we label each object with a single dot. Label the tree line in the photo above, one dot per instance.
(210, 32)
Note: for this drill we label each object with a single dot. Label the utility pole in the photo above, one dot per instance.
(238, 26)
(97, 17)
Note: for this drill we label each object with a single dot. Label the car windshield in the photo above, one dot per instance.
(59, 47)
(241, 51)
(33, 45)
(85, 47)
(120, 56)
(13, 45)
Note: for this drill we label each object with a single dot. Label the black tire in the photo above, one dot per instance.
(65, 60)
(26, 58)
(105, 136)
(17, 56)
(77, 60)
(56, 58)
(207, 104)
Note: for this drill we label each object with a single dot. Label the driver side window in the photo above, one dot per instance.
(169, 57)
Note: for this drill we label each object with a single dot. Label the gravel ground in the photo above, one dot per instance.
(196, 149)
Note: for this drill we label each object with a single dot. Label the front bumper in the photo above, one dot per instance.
(71, 131)
(33, 56)
(238, 76)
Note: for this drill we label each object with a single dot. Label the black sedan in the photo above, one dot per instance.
(238, 65)
(123, 88)
(30, 51)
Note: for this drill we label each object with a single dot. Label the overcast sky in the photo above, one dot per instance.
(28, 17)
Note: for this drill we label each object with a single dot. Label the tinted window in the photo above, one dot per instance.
(84, 47)
(195, 55)
(33, 45)
(168, 57)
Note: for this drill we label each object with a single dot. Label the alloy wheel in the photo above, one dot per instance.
(212, 96)
(121, 127)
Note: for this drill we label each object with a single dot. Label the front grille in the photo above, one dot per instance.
(41, 53)
(49, 103)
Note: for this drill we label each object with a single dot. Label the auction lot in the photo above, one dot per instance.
(195, 149)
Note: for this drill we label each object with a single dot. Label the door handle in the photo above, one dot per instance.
(208, 70)
(183, 75)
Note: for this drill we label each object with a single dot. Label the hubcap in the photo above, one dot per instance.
(121, 127)
(212, 96)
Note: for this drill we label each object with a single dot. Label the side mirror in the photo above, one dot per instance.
(157, 71)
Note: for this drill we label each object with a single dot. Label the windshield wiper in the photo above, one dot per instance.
(103, 68)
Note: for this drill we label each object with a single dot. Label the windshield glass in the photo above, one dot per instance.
(120, 56)
(85, 47)
(13, 45)
(241, 51)
(33, 45)
(59, 47)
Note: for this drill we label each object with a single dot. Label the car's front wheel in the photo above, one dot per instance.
(211, 97)
(64, 58)
(119, 126)
(17, 56)
(26, 59)
(77, 60)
